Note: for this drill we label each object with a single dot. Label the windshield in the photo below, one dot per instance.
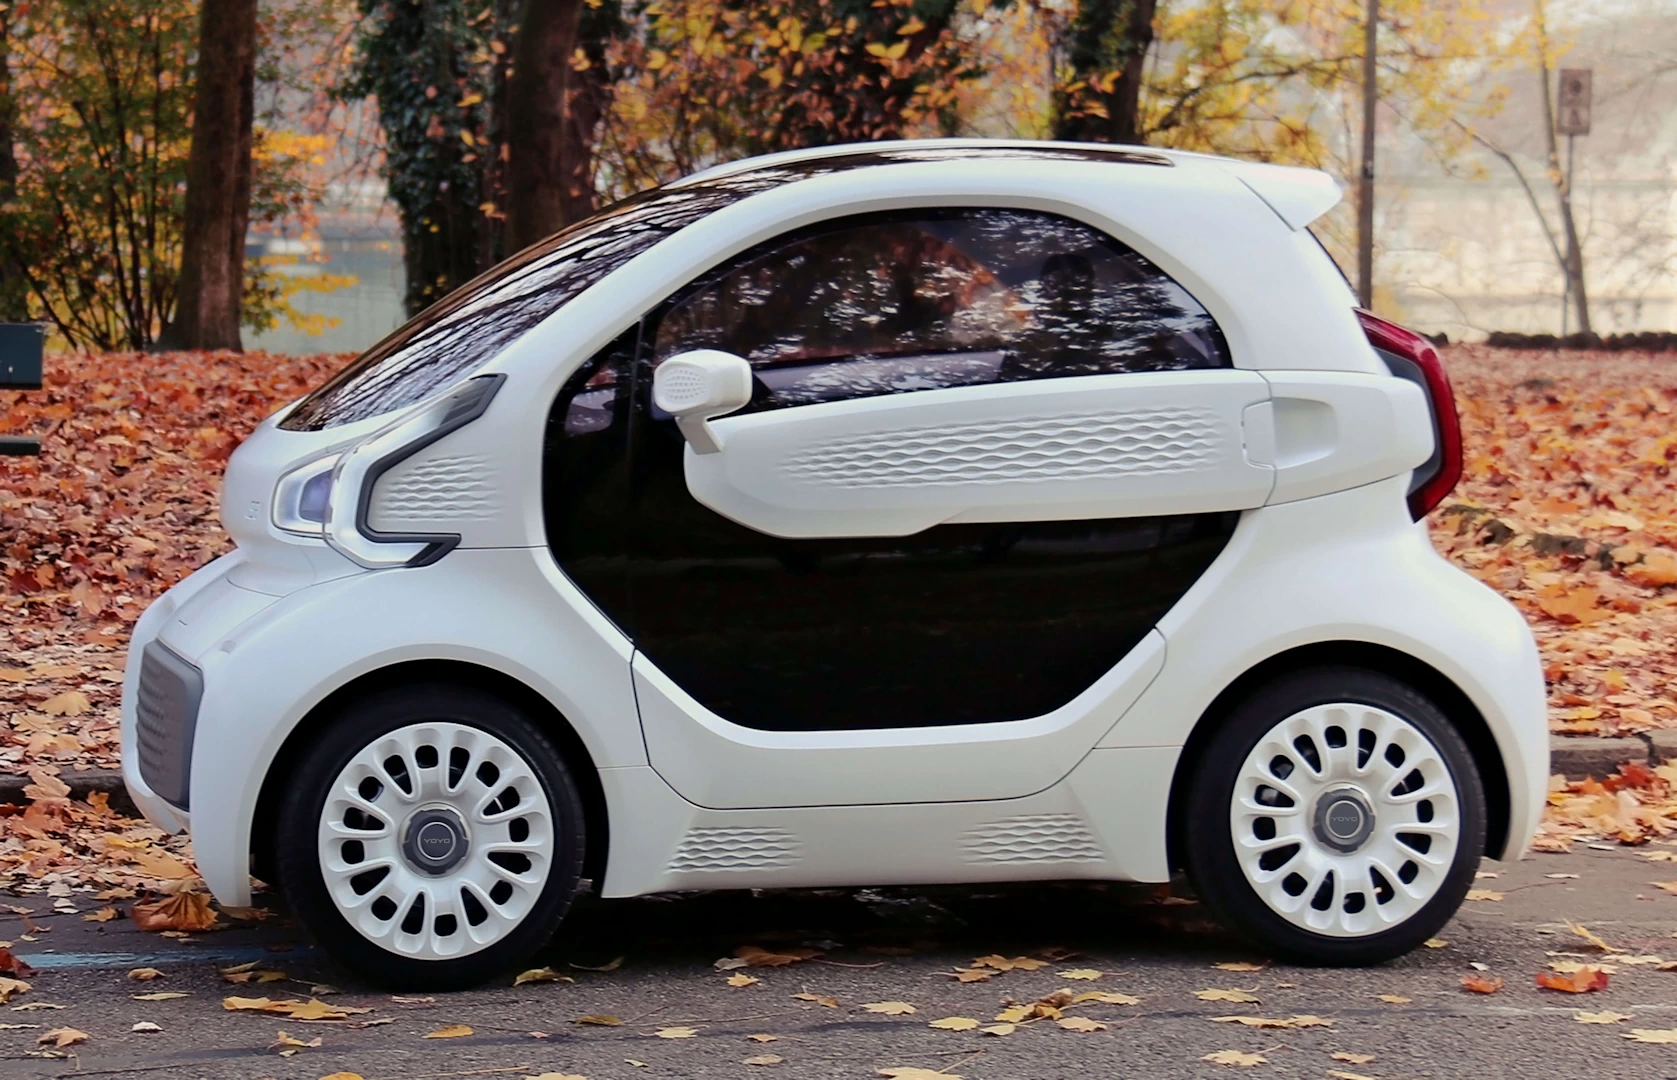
(467, 328)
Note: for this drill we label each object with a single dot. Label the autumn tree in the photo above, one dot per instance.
(13, 305)
(558, 92)
(716, 80)
(218, 181)
(434, 66)
(103, 128)
(1104, 49)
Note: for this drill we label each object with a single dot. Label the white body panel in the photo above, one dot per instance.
(719, 765)
(1096, 446)
(1310, 437)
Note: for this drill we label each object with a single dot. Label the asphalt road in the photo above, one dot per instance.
(1161, 953)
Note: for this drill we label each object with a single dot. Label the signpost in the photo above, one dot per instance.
(1572, 119)
(21, 349)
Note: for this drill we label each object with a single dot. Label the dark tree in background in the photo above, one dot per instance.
(13, 289)
(1105, 46)
(435, 66)
(218, 178)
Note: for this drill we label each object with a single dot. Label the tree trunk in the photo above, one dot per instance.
(1107, 51)
(542, 175)
(1572, 265)
(218, 176)
(13, 294)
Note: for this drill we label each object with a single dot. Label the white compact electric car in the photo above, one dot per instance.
(932, 512)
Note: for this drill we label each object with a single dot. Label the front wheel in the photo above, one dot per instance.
(1336, 817)
(432, 838)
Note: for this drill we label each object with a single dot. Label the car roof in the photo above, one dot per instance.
(1298, 196)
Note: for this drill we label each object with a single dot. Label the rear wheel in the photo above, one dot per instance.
(1336, 817)
(432, 838)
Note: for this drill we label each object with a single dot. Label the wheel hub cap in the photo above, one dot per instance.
(1343, 820)
(435, 840)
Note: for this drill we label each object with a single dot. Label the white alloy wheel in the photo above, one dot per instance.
(436, 840)
(1345, 819)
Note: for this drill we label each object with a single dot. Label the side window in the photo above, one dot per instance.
(918, 300)
(585, 475)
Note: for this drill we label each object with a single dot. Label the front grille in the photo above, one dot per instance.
(166, 716)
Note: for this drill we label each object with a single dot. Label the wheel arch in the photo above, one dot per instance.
(1467, 718)
(464, 673)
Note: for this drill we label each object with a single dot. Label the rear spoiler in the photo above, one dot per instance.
(1298, 196)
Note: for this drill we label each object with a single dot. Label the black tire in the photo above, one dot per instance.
(1209, 844)
(359, 723)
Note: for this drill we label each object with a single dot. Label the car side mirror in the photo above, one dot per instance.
(695, 387)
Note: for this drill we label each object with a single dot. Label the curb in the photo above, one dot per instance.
(82, 784)
(1578, 757)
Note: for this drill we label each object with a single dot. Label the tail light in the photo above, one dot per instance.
(1410, 356)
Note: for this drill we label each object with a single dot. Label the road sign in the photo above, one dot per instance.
(1572, 117)
(21, 346)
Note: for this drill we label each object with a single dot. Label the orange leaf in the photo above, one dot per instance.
(1579, 982)
(1479, 984)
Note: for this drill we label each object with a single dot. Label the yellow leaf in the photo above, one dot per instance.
(450, 1031)
(606, 1020)
(764, 1059)
(762, 1038)
(1435, 943)
(1002, 963)
(676, 1032)
(62, 1037)
(1352, 1059)
(1235, 1057)
(1244, 996)
(954, 1023)
(470, 99)
(104, 914)
(1483, 894)
(1080, 1023)
(1652, 1035)
(1600, 1017)
(540, 975)
(10, 986)
(145, 974)
(890, 1008)
(160, 995)
(1395, 999)
(282, 1041)
(1014, 1014)
(1341, 1074)
(69, 703)
(1239, 965)
(998, 1029)
(968, 975)
(901, 1072)
(1252, 1021)
(912, 26)
(1083, 974)
(182, 911)
(740, 978)
(342, 1076)
(1590, 936)
(467, 138)
(820, 999)
(244, 1004)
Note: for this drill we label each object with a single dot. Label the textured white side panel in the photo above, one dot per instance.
(1104, 821)
(1086, 447)
(437, 491)
(719, 764)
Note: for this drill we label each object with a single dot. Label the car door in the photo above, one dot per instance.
(986, 450)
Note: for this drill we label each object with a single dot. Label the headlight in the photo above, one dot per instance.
(358, 469)
(302, 499)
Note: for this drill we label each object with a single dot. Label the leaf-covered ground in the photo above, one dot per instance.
(1567, 507)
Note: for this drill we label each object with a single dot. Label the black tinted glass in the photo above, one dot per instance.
(466, 329)
(886, 304)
